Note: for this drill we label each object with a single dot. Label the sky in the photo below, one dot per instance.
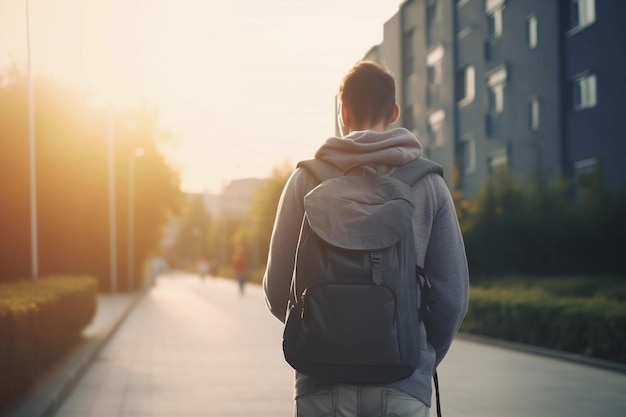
(246, 85)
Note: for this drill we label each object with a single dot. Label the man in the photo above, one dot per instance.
(367, 109)
(241, 265)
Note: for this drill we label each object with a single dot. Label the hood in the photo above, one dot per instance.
(381, 150)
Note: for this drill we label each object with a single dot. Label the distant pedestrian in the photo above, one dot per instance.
(157, 266)
(367, 109)
(203, 269)
(241, 265)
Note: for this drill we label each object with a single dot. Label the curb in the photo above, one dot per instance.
(550, 353)
(46, 399)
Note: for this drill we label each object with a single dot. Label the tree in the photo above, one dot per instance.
(193, 227)
(73, 179)
(263, 209)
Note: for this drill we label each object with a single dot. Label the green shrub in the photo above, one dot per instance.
(590, 326)
(39, 321)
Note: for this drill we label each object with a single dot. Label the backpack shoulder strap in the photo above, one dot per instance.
(413, 171)
(320, 169)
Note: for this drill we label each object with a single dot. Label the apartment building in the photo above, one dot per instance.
(594, 83)
(510, 85)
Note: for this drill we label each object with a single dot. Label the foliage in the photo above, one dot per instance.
(540, 229)
(214, 239)
(39, 321)
(72, 182)
(193, 225)
(572, 315)
(264, 206)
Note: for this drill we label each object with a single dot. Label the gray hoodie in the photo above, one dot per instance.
(439, 245)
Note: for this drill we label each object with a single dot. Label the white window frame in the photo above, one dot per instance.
(493, 4)
(469, 81)
(585, 93)
(496, 81)
(499, 159)
(434, 61)
(495, 13)
(533, 113)
(586, 11)
(435, 125)
(532, 32)
(584, 169)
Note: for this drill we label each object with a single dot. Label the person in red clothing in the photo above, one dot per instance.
(241, 265)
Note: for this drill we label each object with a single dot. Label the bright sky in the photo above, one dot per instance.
(247, 85)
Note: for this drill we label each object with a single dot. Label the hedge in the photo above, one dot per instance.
(39, 322)
(589, 326)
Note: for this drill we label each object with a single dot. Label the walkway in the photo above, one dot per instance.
(200, 349)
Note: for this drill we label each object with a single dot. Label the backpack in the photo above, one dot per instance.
(357, 295)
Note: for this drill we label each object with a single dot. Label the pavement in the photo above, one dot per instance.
(195, 348)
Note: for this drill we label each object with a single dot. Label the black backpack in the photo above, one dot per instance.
(357, 293)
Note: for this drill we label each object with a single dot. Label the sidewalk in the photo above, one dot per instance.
(199, 349)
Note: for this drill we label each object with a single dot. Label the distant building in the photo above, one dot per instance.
(513, 85)
(235, 197)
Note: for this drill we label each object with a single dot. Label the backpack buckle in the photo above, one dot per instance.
(377, 276)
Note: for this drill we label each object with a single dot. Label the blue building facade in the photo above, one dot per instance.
(511, 85)
(594, 82)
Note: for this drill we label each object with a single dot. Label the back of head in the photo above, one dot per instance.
(369, 90)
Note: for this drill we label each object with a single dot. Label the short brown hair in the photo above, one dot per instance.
(369, 91)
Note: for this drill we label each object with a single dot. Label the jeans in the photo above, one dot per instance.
(354, 401)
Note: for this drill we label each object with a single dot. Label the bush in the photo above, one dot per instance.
(39, 321)
(590, 326)
(540, 229)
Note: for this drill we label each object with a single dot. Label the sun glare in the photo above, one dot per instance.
(245, 84)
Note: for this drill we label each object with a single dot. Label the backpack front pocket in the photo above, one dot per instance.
(351, 324)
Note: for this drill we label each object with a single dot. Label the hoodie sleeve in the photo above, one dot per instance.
(445, 265)
(283, 243)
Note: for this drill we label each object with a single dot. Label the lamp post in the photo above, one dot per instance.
(137, 153)
(32, 155)
(112, 217)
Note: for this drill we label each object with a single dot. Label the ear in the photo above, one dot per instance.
(396, 114)
(345, 116)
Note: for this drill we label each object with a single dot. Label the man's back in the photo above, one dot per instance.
(438, 241)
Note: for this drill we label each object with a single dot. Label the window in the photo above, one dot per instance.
(466, 88)
(496, 98)
(532, 32)
(409, 54)
(434, 61)
(432, 12)
(499, 160)
(435, 124)
(494, 23)
(584, 91)
(489, 131)
(582, 13)
(584, 170)
(493, 8)
(533, 113)
(496, 81)
(432, 20)
(468, 154)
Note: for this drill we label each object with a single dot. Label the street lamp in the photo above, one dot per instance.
(112, 217)
(137, 153)
(32, 156)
